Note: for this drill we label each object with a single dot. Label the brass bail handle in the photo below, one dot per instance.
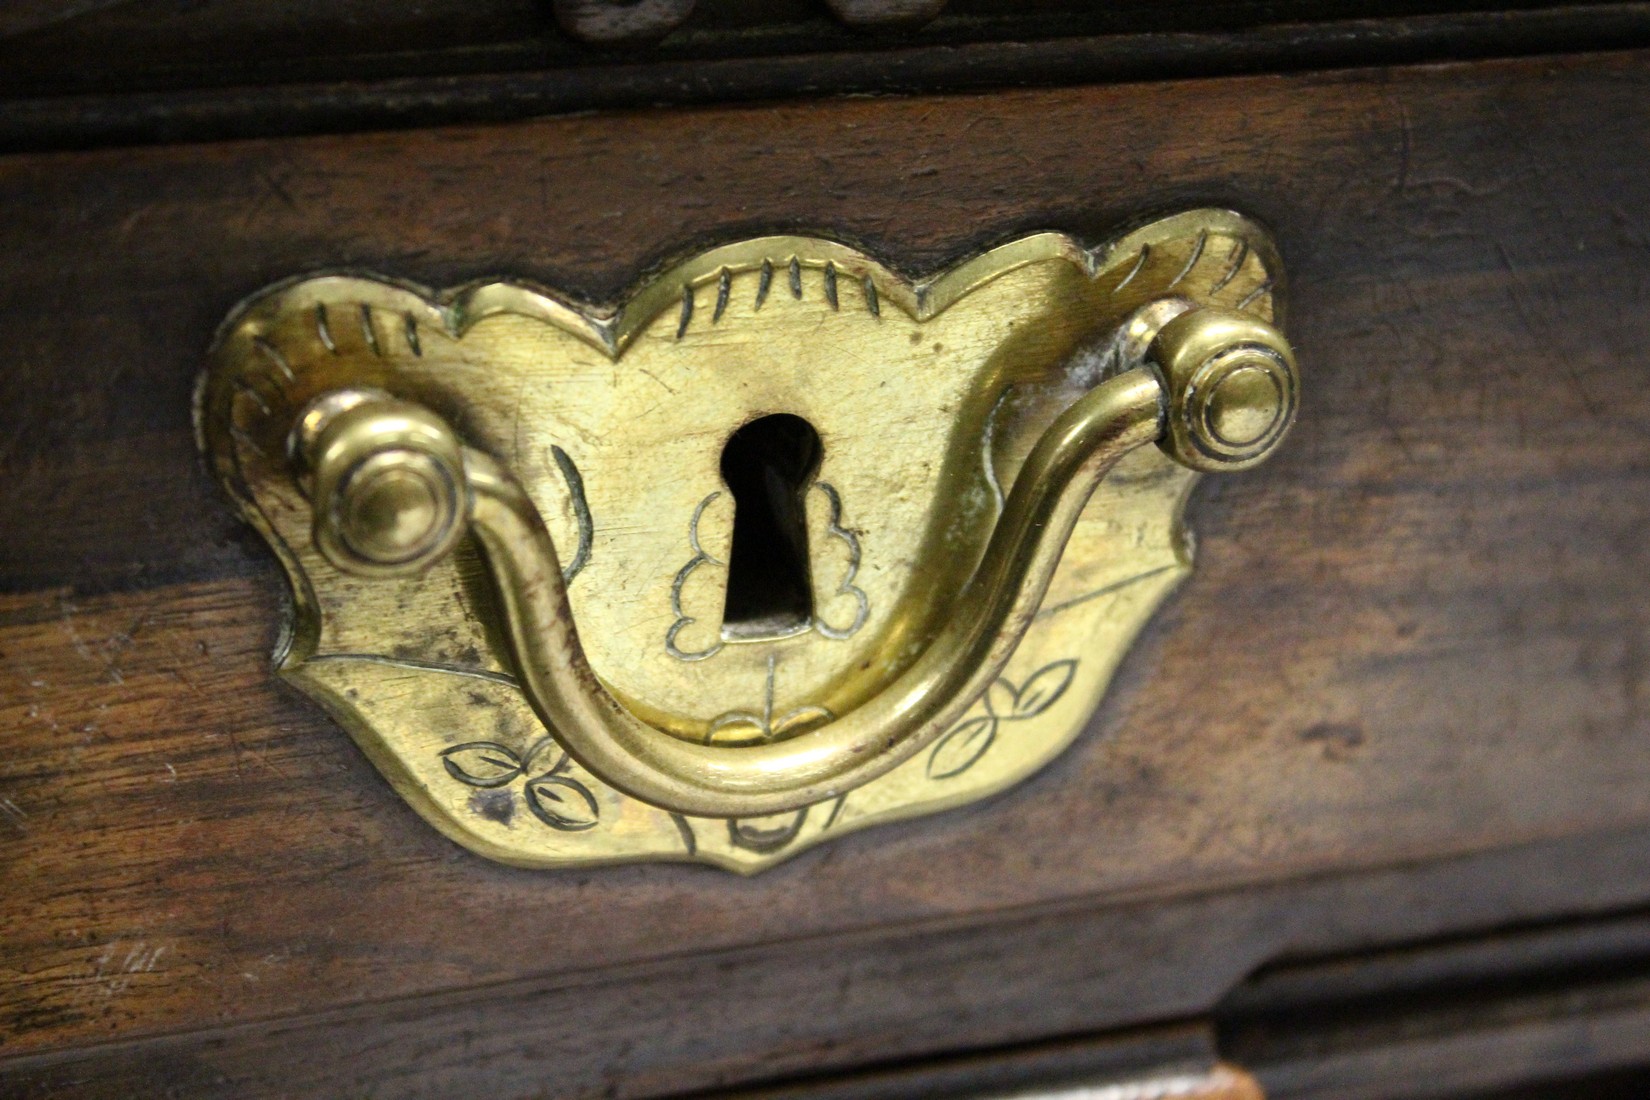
(393, 488)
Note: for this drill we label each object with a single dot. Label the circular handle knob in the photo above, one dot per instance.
(387, 480)
(1233, 388)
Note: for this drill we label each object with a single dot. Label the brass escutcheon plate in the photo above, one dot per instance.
(925, 398)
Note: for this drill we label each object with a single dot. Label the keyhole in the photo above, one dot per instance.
(767, 465)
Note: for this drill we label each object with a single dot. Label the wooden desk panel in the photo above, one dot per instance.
(1419, 633)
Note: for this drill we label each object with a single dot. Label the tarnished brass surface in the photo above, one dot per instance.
(511, 530)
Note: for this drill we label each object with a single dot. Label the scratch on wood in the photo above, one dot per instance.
(1406, 149)
(13, 814)
(140, 958)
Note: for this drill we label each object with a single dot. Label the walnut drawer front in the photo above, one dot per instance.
(1403, 695)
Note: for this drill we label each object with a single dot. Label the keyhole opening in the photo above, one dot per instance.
(767, 466)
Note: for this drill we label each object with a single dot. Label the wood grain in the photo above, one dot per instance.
(1419, 633)
(1558, 1012)
(66, 46)
(97, 73)
(782, 1013)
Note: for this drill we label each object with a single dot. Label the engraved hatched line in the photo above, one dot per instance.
(323, 329)
(244, 437)
(1103, 591)
(246, 388)
(689, 841)
(368, 333)
(1191, 262)
(724, 284)
(273, 354)
(414, 665)
(1240, 253)
(1139, 262)
(836, 811)
(687, 311)
(1263, 288)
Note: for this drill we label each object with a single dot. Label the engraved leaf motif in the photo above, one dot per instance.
(481, 763)
(1001, 699)
(962, 747)
(537, 748)
(564, 803)
(1044, 689)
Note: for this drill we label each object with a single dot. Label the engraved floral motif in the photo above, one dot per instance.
(846, 586)
(965, 743)
(765, 725)
(962, 747)
(481, 763)
(556, 799)
(562, 802)
(683, 620)
(766, 835)
(686, 644)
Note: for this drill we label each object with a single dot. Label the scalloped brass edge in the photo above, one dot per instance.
(612, 329)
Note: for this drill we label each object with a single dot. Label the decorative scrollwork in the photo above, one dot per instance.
(847, 587)
(683, 619)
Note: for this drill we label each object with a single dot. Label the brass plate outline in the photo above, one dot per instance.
(1245, 268)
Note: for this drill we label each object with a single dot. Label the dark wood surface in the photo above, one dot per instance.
(53, 46)
(126, 73)
(1560, 1012)
(1419, 634)
(969, 995)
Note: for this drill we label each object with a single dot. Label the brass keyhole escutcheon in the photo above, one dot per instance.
(784, 546)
